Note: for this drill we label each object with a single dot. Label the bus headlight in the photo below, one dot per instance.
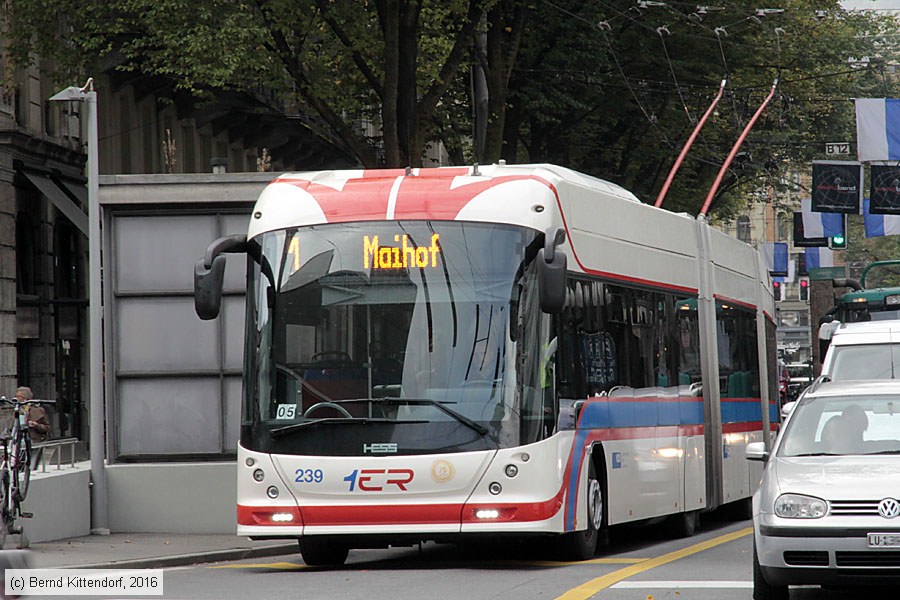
(511, 471)
(272, 492)
(495, 488)
(258, 475)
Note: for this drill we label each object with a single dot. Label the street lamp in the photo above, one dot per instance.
(87, 95)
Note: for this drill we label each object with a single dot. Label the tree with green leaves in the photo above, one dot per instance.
(388, 63)
(615, 90)
(609, 87)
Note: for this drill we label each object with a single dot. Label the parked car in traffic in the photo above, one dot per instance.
(827, 510)
(868, 350)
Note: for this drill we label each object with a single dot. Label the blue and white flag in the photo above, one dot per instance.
(818, 224)
(816, 258)
(776, 256)
(879, 225)
(878, 128)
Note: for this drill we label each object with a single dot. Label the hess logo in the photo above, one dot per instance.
(377, 480)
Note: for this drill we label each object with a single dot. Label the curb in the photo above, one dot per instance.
(180, 560)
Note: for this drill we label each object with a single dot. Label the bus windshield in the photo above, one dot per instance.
(393, 337)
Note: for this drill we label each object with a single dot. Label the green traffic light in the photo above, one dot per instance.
(838, 242)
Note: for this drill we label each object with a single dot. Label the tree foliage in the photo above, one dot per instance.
(602, 86)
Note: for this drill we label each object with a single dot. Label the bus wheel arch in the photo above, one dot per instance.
(583, 544)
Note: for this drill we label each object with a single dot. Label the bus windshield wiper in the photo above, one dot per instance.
(476, 427)
(280, 431)
(388, 400)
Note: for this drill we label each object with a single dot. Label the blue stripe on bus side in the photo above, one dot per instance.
(599, 414)
(746, 411)
(603, 414)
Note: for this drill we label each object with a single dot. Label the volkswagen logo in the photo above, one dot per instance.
(889, 508)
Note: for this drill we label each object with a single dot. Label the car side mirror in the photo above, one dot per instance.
(756, 451)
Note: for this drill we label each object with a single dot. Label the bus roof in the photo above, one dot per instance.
(479, 193)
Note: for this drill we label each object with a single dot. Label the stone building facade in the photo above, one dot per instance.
(145, 126)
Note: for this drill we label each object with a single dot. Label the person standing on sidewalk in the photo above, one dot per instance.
(38, 422)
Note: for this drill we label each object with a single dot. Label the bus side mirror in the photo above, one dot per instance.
(209, 273)
(551, 268)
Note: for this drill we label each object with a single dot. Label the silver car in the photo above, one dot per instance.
(827, 510)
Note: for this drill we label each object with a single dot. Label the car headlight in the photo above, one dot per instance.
(798, 506)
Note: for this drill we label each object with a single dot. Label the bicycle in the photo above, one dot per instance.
(15, 469)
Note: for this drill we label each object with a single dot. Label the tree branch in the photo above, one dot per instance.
(358, 58)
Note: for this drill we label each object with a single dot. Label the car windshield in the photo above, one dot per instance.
(843, 425)
(865, 361)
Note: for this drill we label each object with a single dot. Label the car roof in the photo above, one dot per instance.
(867, 332)
(859, 387)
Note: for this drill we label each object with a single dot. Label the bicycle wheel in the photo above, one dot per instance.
(23, 468)
(5, 512)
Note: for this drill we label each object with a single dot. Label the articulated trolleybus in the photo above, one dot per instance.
(442, 354)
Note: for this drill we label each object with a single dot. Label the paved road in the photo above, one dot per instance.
(640, 564)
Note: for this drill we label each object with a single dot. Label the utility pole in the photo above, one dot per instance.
(88, 97)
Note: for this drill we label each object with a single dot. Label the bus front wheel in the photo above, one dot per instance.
(581, 545)
(323, 552)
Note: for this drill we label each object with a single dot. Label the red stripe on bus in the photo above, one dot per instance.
(745, 427)
(405, 514)
(650, 398)
(382, 514)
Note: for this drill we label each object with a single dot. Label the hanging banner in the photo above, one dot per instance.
(837, 186)
(776, 256)
(884, 191)
(878, 129)
(800, 239)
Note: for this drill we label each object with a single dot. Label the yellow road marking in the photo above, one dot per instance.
(595, 585)
(593, 561)
(275, 565)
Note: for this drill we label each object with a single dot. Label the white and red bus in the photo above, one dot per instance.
(437, 354)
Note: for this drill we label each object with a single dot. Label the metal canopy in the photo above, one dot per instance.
(59, 199)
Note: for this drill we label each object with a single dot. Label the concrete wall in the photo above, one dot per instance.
(61, 504)
(172, 497)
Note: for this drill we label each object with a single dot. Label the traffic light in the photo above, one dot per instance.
(804, 289)
(777, 289)
(838, 242)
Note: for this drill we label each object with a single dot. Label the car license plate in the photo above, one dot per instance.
(884, 540)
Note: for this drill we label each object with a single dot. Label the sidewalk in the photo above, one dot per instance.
(149, 550)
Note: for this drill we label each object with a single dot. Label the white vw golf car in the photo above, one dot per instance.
(828, 508)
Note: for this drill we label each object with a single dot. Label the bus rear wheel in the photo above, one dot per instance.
(323, 552)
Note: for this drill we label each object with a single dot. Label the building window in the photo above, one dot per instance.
(743, 228)
(25, 250)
